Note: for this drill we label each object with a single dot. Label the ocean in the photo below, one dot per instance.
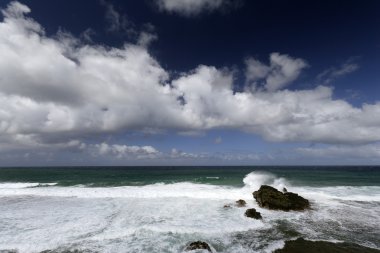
(162, 209)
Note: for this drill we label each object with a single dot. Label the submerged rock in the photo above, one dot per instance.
(270, 198)
(241, 203)
(252, 213)
(198, 245)
(301, 246)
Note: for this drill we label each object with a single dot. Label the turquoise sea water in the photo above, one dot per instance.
(119, 176)
(161, 209)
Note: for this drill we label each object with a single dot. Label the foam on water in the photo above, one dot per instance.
(23, 185)
(165, 217)
(159, 190)
(252, 182)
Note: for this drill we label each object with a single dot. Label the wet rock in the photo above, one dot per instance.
(270, 198)
(241, 203)
(198, 245)
(252, 213)
(227, 206)
(301, 246)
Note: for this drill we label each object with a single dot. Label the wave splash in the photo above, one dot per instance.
(255, 179)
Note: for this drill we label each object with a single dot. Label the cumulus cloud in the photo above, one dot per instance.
(189, 7)
(125, 151)
(281, 71)
(305, 115)
(54, 90)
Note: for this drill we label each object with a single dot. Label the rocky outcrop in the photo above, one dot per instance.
(198, 245)
(252, 213)
(301, 246)
(270, 198)
(238, 203)
(241, 203)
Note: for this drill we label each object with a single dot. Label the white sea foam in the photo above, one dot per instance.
(160, 190)
(23, 185)
(252, 182)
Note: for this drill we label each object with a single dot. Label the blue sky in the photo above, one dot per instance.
(171, 82)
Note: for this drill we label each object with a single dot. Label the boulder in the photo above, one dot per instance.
(301, 246)
(198, 245)
(270, 198)
(241, 203)
(252, 213)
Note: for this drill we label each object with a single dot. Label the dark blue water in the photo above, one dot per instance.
(119, 176)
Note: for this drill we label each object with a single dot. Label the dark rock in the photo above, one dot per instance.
(227, 206)
(252, 213)
(270, 198)
(284, 190)
(241, 203)
(198, 245)
(301, 246)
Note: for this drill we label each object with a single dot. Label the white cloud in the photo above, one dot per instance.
(57, 89)
(116, 21)
(189, 7)
(178, 154)
(87, 35)
(119, 23)
(282, 70)
(332, 73)
(124, 151)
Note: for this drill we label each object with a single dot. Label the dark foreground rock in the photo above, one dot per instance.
(198, 245)
(241, 203)
(252, 213)
(270, 198)
(301, 246)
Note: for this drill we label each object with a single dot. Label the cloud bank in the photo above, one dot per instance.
(58, 91)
